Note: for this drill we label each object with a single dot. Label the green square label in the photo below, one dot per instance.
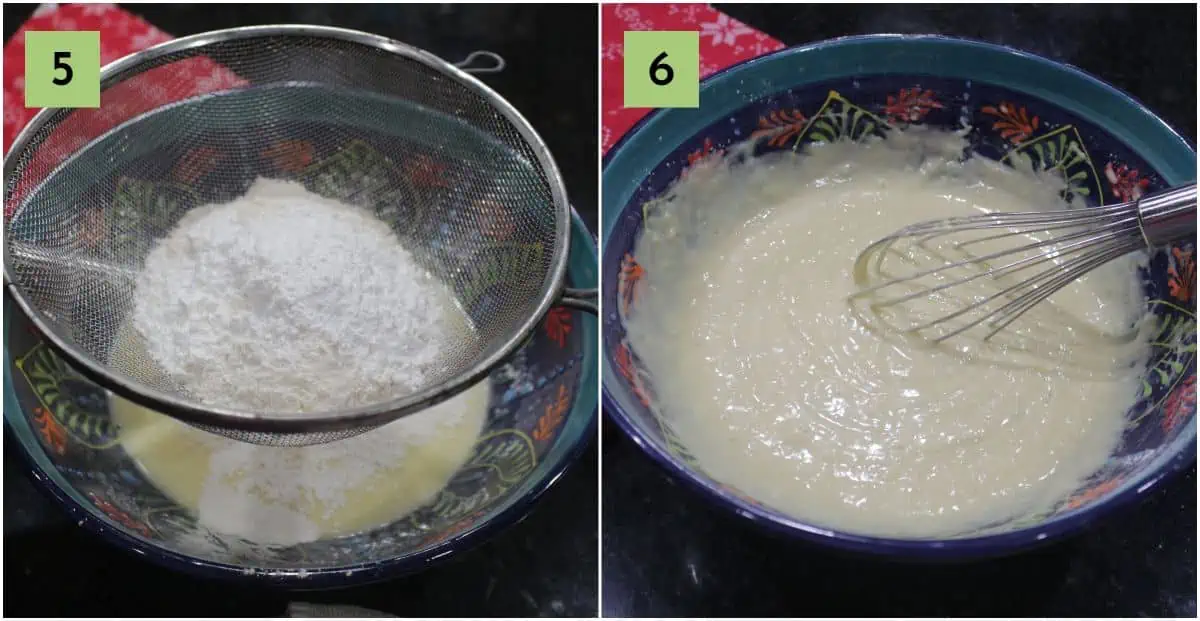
(662, 69)
(62, 69)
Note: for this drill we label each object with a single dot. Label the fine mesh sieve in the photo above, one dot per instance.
(460, 176)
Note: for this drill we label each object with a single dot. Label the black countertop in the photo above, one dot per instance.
(667, 552)
(544, 566)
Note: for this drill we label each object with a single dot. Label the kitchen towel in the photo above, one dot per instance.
(724, 41)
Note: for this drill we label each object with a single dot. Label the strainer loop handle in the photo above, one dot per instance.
(468, 64)
(579, 299)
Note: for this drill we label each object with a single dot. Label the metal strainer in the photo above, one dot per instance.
(462, 178)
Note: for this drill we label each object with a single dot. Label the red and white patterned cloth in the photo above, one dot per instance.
(121, 34)
(724, 41)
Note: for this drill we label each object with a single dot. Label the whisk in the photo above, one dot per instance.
(1064, 244)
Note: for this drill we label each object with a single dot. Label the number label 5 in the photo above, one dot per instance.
(60, 62)
(62, 69)
(662, 69)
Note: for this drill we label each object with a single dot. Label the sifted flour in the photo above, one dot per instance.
(283, 300)
(286, 301)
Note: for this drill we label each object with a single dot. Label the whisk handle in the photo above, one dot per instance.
(1168, 216)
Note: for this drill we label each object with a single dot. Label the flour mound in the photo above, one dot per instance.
(286, 301)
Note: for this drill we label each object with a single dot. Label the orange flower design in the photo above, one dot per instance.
(738, 493)
(120, 516)
(699, 154)
(555, 412)
(1179, 403)
(195, 164)
(424, 171)
(455, 529)
(94, 228)
(290, 155)
(1182, 275)
(631, 273)
(625, 367)
(781, 125)
(910, 105)
(558, 325)
(1014, 123)
(1126, 184)
(1092, 493)
(51, 432)
(702, 152)
(496, 222)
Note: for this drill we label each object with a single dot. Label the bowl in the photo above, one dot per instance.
(542, 413)
(1111, 147)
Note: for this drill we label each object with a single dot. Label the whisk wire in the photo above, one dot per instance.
(1074, 241)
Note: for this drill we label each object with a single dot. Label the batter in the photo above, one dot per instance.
(780, 390)
(288, 495)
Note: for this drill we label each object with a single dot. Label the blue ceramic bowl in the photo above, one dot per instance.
(1109, 145)
(543, 413)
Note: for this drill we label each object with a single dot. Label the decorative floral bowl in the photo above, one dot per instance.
(542, 412)
(1106, 144)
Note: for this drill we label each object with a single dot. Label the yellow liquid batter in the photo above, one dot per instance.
(779, 390)
(177, 459)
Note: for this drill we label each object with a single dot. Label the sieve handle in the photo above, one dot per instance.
(579, 299)
(468, 64)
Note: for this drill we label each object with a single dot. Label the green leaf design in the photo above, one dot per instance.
(825, 128)
(1062, 152)
(500, 264)
(141, 212)
(675, 445)
(46, 375)
(1175, 347)
(508, 452)
(357, 174)
(839, 119)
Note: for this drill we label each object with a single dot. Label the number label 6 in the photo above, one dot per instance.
(662, 69)
(660, 72)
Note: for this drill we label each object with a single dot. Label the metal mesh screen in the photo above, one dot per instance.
(466, 185)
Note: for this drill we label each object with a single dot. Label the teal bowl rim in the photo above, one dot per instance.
(638, 152)
(572, 440)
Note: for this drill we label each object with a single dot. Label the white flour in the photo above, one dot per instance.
(285, 301)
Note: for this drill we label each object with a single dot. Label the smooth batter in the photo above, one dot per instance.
(779, 390)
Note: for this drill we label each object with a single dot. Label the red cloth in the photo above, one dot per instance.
(121, 34)
(724, 41)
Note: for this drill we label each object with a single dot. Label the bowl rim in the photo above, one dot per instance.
(1163, 467)
(343, 575)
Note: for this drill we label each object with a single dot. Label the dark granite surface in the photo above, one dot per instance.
(667, 552)
(544, 566)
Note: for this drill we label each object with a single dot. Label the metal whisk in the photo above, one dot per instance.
(1052, 249)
